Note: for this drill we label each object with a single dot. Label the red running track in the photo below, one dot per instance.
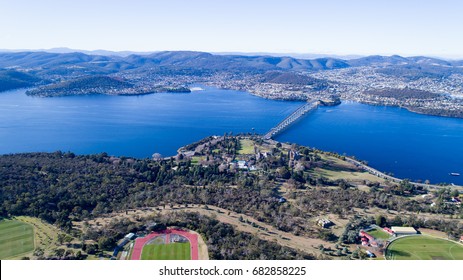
(141, 241)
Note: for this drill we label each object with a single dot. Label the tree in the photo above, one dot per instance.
(455, 193)
(284, 173)
(380, 220)
(61, 237)
(345, 250)
(79, 255)
(59, 253)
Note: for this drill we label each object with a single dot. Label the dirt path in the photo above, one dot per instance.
(263, 231)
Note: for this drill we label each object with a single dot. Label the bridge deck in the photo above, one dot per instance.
(301, 111)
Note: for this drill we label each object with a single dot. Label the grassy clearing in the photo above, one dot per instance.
(46, 235)
(16, 238)
(346, 175)
(424, 248)
(379, 234)
(196, 159)
(246, 147)
(172, 251)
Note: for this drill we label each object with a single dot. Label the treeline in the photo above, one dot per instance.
(438, 112)
(85, 85)
(61, 187)
(403, 94)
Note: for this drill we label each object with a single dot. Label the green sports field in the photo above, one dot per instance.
(424, 248)
(171, 251)
(15, 238)
(379, 234)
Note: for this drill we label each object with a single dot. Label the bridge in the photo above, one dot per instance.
(301, 111)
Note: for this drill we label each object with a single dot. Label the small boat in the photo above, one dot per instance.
(454, 174)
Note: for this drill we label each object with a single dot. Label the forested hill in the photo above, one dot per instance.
(287, 190)
(11, 79)
(62, 187)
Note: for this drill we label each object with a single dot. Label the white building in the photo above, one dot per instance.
(401, 231)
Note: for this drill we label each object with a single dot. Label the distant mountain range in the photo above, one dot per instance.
(108, 61)
(31, 68)
(178, 59)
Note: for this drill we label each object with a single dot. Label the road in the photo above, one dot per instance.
(397, 180)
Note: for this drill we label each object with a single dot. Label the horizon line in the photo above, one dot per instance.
(269, 53)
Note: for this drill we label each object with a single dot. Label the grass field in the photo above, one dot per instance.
(379, 234)
(424, 248)
(246, 147)
(16, 238)
(171, 251)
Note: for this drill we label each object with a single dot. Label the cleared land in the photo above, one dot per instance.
(424, 248)
(246, 147)
(263, 230)
(16, 238)
(379, 234)
(171, 251)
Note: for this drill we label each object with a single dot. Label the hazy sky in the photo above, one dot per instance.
(405, 27)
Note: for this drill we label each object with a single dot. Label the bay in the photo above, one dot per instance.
(135, 126)
(390, 139)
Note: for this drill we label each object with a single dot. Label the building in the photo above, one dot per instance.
(370, 254)
(325, 223)
(130, 235)
(242, 164)
(388, 230)
(401, 231)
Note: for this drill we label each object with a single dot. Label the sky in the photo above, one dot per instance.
(354, 27)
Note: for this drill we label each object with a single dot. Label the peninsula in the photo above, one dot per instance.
(420, 84)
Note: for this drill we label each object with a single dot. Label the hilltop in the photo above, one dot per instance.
(239, 185)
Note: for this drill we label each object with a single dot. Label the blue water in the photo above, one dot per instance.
(136, 126)
(391, 139)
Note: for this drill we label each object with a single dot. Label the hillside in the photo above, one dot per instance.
(11, 79)
(287, 190)
(86, 85)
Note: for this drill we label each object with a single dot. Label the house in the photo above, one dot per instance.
(461, 239)
(242, 164)
(282, 200)
(365, 241)
(325, 223)
(388, 230)
(402, 231)
(455, 200)
(293, 155)
(370, 254)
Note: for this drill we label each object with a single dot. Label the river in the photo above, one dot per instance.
(394, 140)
